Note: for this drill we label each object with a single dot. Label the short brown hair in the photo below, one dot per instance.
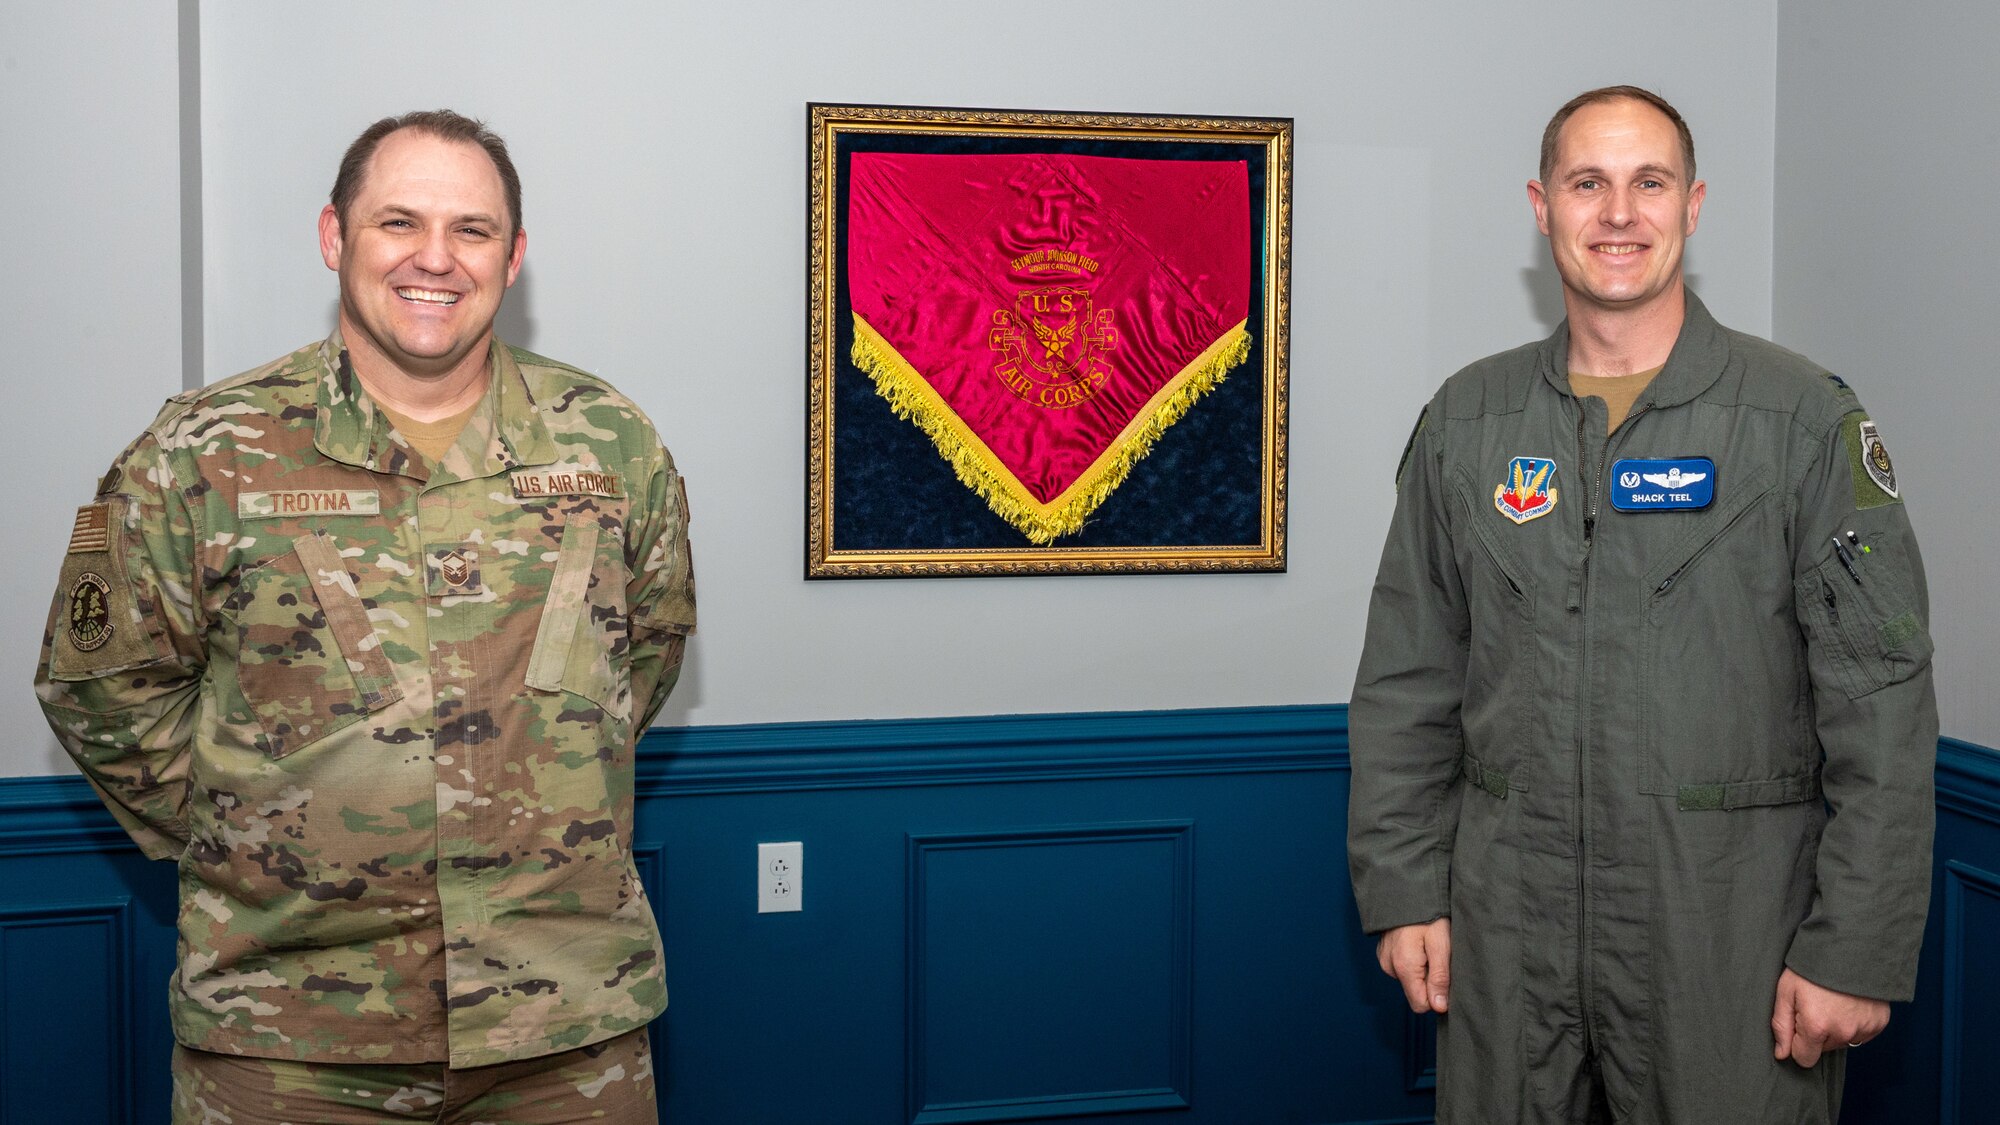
(1612, 94)
(441, 123)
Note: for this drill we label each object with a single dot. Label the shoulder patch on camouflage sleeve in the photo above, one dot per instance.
(1868, 458)
(92, 530)
(1403, 462)
(98, 626)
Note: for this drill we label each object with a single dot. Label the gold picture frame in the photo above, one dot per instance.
(882, 502)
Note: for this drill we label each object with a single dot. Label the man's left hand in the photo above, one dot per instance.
(1808, 1020)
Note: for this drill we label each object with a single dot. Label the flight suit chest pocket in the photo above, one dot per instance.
(583, 642)
(1707, 535)
(1503, 678)
(308, 660)
(1718, 694)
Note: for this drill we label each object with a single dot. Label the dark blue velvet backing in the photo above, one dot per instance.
(1200, 486)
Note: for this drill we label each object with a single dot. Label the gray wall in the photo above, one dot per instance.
(663, 152)
(1885, 251)
(90, 296)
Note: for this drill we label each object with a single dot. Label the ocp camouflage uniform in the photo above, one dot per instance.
(382, 712)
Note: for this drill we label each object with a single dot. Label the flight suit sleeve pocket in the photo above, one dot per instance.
(1864, 623)
(582, 644)
(308, 660)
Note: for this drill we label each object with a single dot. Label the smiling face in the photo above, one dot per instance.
(1618, 207)
(425, 252)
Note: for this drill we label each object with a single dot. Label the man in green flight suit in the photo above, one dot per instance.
(363, 640)
(1643, 729)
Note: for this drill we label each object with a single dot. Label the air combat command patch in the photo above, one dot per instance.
(1529, 489)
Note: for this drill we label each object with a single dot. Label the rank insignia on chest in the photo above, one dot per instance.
(1677, 484)
(1528, 491)
(454, 570)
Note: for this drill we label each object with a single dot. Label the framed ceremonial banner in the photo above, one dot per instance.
(1045, 343)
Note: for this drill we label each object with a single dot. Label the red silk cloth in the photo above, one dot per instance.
(1048, 299)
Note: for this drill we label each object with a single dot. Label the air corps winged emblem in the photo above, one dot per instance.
(1054, 348)
(1529, 489)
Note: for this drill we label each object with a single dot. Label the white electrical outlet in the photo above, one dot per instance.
(780, 877)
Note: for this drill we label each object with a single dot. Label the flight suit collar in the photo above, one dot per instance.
(505, 431)
(1700, 353)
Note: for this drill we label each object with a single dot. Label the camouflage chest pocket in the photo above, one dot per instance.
(308, 660)
(584, 641)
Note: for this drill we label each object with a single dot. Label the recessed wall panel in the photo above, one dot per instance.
(63, 1028)
(1971, 1086)
(1049, 972)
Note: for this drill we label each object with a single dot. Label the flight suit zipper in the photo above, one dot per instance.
(1590, 509)
(1582, 746)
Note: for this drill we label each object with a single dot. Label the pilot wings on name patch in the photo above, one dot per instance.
(1679, 484)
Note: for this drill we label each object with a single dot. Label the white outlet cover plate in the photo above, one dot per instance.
(780, 877)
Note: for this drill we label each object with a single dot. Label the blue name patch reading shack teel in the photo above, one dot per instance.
(1682, 484)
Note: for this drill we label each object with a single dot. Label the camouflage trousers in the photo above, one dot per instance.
(609, 1082)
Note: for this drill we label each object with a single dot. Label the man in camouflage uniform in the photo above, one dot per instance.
(381, 704)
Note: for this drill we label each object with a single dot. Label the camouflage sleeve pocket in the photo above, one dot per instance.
(1865, 626)
(583, 643)
(308, 662)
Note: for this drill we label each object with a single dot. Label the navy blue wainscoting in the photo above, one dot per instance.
(1935, 1063)
(1087, 918)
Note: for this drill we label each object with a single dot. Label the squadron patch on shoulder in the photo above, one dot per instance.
(1868, 457)
(1875, 459)
(1529, 490)
(89, 613)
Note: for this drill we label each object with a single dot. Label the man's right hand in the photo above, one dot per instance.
(1419, 957)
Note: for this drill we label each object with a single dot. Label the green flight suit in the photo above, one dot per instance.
(1646, 759)
(382, 713)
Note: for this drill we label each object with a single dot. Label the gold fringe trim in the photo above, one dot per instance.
(912, 397)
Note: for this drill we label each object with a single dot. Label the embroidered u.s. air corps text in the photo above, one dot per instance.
(567, 481)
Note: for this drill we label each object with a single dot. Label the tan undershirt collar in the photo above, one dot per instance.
(432, 439)
(1619, 392)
